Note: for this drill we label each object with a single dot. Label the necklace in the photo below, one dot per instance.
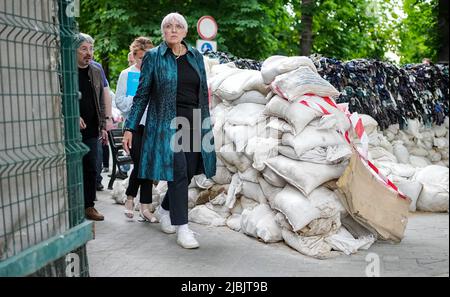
(179, 53)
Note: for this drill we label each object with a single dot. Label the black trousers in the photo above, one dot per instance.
(176, 199)
(135, 182)
(90, 171)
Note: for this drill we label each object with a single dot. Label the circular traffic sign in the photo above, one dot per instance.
(207, 27)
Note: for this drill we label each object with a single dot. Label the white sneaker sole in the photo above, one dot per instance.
(169, 231)
(193, 246)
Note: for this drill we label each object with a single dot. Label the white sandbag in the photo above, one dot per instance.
(413, 128)
(234, 222)
(221, 210)
(403, 170)
(369, 123)
(209, 63)
(321, 226)
(433, 200)
(345, 242)
(440, 131)
(272, 178)
(253, 191)
(335, 117)
(162, 188)
(281, 220)
(296, 114)
(298, 210)
(280, 125)
(223, 175)
(406, 138)
(261, 149)
(269, 191)
(221, 68)
(435, 193)
(389, 135)
(256, 83)
(418, 151)
(203, 215)
(303, 175)
(411, 189)
(381, 155)
(219, 112)
(302, 81)
(435, 156)
(327, 202)
(338, 153)
(220, 74)
(255, 97)
(118, 192)
(289, 152)
(219, 200)
(419, 162)
(203, 182)
(237, 209)
(310, 138)
(260, 223)
(401, 152)
(250, 175)
(230, 156)
(313, 246)
(234, 85)
(441, 142)
(240, 135)
(247, 203)
(234, 189)
(327, 155)
(379, 140)
(193, 196)
(247, 114)
(276, 65)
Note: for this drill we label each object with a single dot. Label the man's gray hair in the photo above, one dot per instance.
(82, 37)
(174, 16)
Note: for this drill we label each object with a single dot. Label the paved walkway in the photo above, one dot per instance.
(124, 248)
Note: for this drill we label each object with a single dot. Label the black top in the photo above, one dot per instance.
(188, 84)
(187, 95)
(87, 104)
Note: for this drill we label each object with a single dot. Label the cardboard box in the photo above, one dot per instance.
(371, 202)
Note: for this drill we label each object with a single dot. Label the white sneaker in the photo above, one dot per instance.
(166, 225)
(187, 240)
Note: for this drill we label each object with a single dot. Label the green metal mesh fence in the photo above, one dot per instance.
(40, 149)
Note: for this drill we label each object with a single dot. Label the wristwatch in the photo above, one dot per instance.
(108, 118)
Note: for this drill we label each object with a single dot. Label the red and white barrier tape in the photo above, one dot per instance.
(359, 130)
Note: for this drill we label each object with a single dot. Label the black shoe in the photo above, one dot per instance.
(121, 175)
(100, 187)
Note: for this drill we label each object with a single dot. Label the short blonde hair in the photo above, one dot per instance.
(174, 16)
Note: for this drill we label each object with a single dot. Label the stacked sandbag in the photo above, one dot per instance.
(401, 154)
(274, 154)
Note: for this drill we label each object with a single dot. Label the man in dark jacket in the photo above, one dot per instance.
(92, 119)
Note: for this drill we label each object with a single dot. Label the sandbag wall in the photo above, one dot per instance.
(275, 158)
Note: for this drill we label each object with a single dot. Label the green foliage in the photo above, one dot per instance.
(256, 29)
(419, 32)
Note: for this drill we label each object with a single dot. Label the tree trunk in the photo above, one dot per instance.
(306, 27)
(105, 64)
(443, 31)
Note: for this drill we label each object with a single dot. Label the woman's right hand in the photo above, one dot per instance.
(82, 124)
(126, 141)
